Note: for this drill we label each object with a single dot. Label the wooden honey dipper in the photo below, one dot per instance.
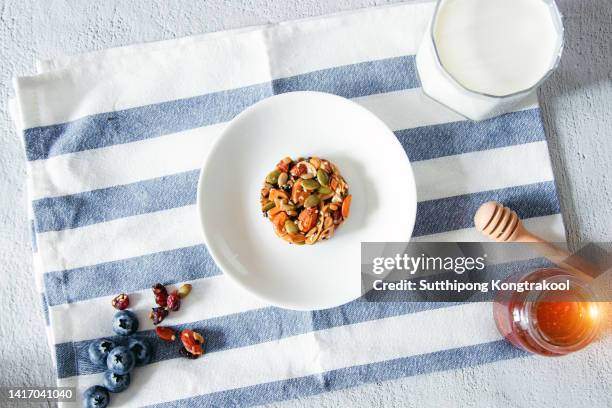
(501, 224)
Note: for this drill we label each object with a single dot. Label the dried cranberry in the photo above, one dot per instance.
(158, 314)
(159, 288)
(121, 302)
(161, 299)
(174, 301)
(337, 217)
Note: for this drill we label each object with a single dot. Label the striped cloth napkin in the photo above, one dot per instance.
(114, 141)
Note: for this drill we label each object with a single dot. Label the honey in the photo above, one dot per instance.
(548, 322)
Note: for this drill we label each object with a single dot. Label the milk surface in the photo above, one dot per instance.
(496, 47)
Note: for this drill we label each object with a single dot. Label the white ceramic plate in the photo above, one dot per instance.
(243, 243)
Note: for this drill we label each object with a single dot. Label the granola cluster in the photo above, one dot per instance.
(305, 199)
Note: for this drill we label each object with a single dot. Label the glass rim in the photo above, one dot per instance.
(553, 67)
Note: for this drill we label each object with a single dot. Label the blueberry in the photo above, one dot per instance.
(116, 382)
(120, 360)
(96, 397)
(99, 349)
(141, 349)
(125, 323)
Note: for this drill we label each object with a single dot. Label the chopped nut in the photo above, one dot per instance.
(121, 302)
(193, 342)
(165, 333)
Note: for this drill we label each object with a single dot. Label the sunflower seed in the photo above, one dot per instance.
(282, 179)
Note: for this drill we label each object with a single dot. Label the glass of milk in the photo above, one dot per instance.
(482, 57)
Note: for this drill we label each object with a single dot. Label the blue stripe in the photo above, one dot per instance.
(77, 210)
(130, 125)
(270, 323)
(155, 120)
(453, 213)
(243, 329)
(430, 142)
(33, 236)
(183, 264)
(45, 307)
(343, 378)
(130, 275)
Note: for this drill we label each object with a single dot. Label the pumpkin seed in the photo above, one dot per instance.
(325, 190)
(310, 184)
(184, 290)
(312, 201)
(272, 177)
(322, 177)
(268, 206)
(287, 207)
(290, 227)
(282, 179)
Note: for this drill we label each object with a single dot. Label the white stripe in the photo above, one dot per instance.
(171, 154)
(277, 51)
(50, 97)
(347, 39)
(307, 354)
(120, 239)
(504, 383)
(549, 227)
(176, 228)
(210, 297)
(482, 170)
(121, 164)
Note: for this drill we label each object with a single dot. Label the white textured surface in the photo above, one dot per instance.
(577, 107)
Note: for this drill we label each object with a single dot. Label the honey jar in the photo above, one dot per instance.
(548, 322)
